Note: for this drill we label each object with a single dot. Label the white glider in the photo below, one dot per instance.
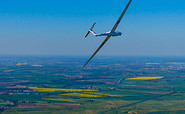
(108, 34)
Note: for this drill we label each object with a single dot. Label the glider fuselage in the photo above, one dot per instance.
(116, 33)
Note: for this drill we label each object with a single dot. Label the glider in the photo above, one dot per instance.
(108, 34)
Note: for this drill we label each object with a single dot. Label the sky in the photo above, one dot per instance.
(58, 27)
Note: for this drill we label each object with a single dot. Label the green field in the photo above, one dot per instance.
(60, 85)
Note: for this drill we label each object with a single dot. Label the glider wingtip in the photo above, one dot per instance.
(84, 66)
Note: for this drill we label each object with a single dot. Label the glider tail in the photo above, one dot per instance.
(91, 31)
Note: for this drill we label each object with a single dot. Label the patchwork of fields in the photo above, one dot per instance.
(107, 85)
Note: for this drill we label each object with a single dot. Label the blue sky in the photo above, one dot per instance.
(57, 27)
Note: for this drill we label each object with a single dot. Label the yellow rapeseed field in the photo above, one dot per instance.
(19, 64)
(37, 65)
(82, 95)
(152, 63)
(105, 95)
(56, 89)
(73, 92)
(65, 100)
(144, 78)
(8, 70)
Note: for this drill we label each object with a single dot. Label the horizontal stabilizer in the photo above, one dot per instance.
(93, 26)
(87, 34)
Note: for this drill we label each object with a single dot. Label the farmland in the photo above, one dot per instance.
(58, 84)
